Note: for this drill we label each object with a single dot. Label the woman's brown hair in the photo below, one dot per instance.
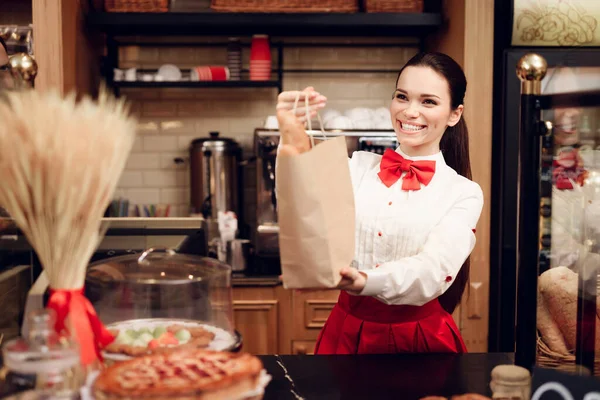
(454, 146)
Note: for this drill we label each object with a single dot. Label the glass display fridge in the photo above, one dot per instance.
(568, 70)
(558, 217)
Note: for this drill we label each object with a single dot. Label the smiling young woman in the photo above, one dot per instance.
(416, 212)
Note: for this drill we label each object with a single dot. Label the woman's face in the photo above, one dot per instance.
(421, 110)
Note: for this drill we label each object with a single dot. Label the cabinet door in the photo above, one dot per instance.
(311, 311)
(256, 318)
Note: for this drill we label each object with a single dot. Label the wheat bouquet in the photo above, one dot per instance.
(60, 161)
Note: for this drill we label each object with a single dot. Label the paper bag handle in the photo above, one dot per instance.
(308, 119)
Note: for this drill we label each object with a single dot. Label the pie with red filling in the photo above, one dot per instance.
(180, 374)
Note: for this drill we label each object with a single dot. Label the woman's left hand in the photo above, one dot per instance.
(353, 281)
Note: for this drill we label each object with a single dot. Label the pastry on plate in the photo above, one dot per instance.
(137, 342)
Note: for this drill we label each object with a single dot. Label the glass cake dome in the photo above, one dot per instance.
(162, 299)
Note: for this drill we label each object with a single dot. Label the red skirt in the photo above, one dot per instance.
(364, 325)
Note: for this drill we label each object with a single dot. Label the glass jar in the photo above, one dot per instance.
(510, 382)
(44, 361)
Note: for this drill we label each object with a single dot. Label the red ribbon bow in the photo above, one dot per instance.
(417, 172)
(87, 327)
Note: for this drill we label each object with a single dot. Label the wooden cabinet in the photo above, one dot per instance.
(273, 320)
(261, 315)
(257, 321)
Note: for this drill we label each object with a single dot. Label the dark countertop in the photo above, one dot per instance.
(394, 376)
(398, 376)
(238, 280)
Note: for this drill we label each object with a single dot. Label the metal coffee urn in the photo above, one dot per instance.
(215, 179)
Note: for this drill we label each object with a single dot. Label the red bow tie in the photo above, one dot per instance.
(417, 172)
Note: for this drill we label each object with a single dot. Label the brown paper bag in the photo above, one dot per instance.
(316, 215)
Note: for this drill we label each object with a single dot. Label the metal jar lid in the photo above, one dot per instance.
(215, 143)
(511, 375)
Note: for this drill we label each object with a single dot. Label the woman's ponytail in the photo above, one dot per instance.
(454, 146)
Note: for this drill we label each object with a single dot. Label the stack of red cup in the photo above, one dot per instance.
(210, 73)
(260, 58)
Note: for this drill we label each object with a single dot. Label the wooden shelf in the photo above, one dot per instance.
(305, 24)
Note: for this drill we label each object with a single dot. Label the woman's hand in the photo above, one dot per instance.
(316, 101)
(294, 139)
(353, 281)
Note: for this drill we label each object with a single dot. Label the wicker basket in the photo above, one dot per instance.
(394, 6)
(283, 6)
(547, 358)
(139, 6)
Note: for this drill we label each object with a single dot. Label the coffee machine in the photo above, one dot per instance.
(266, 141)
(215, 170)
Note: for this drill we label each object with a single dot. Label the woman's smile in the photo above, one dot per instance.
(410, 128)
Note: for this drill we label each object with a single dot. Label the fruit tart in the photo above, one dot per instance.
(137, 342)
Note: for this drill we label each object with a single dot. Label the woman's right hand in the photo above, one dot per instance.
(316, 102)
(294, 139)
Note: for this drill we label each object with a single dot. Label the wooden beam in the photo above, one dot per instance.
(47, 46)
(450, 38)
(478, 64)
(64, 52)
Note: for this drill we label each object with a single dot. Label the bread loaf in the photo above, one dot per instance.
(548, 329)
(558, 288)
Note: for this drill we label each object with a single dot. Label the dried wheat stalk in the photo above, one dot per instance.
(60, 161)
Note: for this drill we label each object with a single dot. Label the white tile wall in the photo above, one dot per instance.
(149, 195)
(171, 119)
(141, 161)
(131, 179)
(174, 196)
(164, 179)
(160, 143)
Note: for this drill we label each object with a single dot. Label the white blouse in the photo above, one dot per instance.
(412, 244)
